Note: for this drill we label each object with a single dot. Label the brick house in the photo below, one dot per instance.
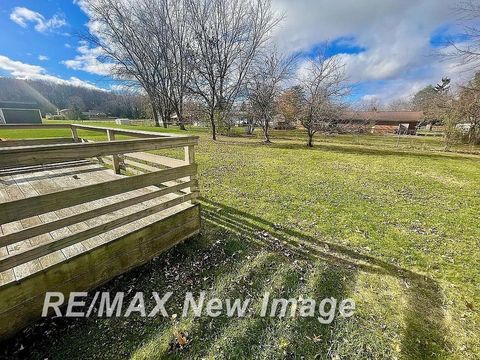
(385, 122)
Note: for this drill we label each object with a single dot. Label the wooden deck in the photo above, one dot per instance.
(68, 222)
(15, 185)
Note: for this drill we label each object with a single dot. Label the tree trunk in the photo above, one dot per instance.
(181, 122)
(472, 133)
(212, 122)
(266, 135)
(310, 140)
(250, 129)
(165, 118)
(155, 116)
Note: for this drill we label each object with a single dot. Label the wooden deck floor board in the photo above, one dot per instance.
(21, 184)
(103, 176)
(8, 275)
(114, 233)
(10, 193)
(26, 187)
(65, 180)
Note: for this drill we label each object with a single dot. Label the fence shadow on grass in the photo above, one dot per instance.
(355, 149)
(426, 333)
(370, 150)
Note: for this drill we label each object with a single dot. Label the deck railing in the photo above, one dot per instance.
(127, 156)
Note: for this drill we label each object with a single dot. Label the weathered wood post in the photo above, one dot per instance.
(74, 134)
(190, 159)
(115, 157)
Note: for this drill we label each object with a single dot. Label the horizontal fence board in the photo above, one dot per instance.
(35, 168)
(154, 159)
(127, 132)
(20, 305)
(55, 245)
(32, 142)
(34, 126)
(20, 209)
(18, 156)
(57, 224)
(140, 166)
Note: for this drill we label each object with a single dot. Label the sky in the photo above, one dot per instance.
(389, 47)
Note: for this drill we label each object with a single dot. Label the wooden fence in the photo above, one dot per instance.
(169, 174)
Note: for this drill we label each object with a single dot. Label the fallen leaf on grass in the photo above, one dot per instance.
(469, 306)
(180, 342)
(315, 338)
(182, 339)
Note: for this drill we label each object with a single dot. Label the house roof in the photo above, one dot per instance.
(385, 116)
(18, 105)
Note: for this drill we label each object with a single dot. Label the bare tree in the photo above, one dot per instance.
(290, 106)
(370, 104)
(169, 23)
(324, 86)
(264, 87)
(468, 12)
(227, 36)
(432, 101)
(117, 29)
(400, 105)
(146, 43)
(468, 109)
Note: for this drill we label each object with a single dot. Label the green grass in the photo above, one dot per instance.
(392, 223)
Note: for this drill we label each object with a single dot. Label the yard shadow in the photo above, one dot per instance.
(252, 275)
(365, 150)
(355, 149)
(426, 333)
(49, 176)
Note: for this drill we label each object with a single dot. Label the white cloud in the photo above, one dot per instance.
(22, 16)
(21, 70)
(395, 35)
(88, 61)
(397, 59)
(43, 58)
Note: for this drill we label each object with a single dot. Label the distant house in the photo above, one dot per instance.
(67, 114)
(15, 112)
(385, 122)
(123, 121)
(464, 128)
(93, 115)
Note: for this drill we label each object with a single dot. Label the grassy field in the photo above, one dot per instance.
(393, 223)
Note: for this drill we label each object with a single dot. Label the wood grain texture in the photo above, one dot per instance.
(14, 210)
(115, 158)
(73, 219)
(34, 155)
(156, 160)
(35, 142)
(54, 245)
(67, 224)
(22, 302)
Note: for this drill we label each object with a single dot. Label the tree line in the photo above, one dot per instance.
(212, 57)
(210, 60)
(51, 97)
(179, 50)
(456, 110)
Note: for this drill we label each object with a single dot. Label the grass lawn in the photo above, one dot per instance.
(392, 223)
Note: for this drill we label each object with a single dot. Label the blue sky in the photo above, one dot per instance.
(388, 46)
(45, 47)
